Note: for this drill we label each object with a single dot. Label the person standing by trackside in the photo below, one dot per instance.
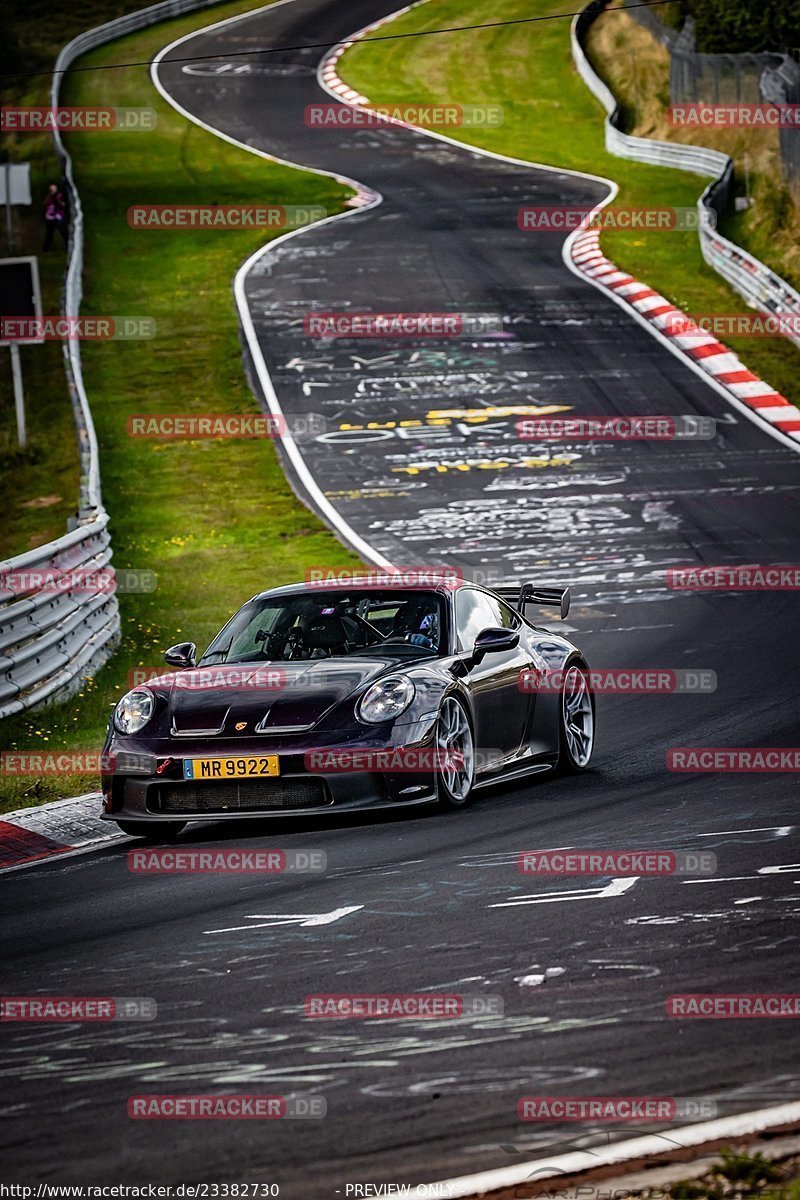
(55, 215)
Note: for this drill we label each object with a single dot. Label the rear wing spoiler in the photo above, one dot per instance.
(534, 593)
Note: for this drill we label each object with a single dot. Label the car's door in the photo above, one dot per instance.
(502, 706)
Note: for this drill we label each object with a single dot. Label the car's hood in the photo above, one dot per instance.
(263, 696)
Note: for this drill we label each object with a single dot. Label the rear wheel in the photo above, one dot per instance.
(576, 720)
(456, 755)
(153, 831)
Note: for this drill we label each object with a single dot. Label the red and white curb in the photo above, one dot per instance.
(578, 1162)
(711, 356)
(330, 78)
(329, 74)
(64, 827)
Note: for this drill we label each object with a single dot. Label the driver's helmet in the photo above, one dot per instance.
(429, 625)
(427, 630)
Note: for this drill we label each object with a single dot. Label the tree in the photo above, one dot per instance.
(736, 26)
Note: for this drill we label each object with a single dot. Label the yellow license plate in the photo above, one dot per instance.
(248, 766)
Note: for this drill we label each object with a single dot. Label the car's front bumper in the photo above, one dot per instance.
(146, 783)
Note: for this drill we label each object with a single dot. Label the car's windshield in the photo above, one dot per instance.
(319, 624)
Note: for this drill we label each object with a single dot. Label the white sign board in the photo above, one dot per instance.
(15, 183)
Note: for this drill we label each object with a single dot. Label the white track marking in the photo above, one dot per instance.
(785, 869)
(302, 920)
(722, 879)
(617, 887)
(778, 830)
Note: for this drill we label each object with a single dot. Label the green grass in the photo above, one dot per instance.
(750, 1170)
(215, 520)
(551, 117)
(741, 1174)
(39, 485)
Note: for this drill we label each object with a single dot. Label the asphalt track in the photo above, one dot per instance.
(410, 1101)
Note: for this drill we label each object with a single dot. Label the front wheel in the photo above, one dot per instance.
(455, 755)
(576, 721)
(153, 831)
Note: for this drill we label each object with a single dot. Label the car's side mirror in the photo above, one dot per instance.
(182, 655)
(494, 641)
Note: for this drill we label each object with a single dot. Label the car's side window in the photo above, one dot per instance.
(508, 619)
(476, 611)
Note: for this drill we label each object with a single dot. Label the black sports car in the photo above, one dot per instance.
(320, 698)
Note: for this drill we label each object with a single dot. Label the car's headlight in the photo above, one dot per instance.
(134, 710)
(386, 699)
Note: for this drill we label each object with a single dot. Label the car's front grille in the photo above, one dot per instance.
(244, 796)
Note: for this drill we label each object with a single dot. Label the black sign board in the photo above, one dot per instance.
(19, 292)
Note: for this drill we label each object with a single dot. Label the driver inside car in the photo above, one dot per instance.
(332, 630)
(417, 624)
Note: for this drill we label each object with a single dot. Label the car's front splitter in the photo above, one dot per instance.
(154, 800)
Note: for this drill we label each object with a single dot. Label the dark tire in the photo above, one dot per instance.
(152, 831)
(454, 737)
(576, 720)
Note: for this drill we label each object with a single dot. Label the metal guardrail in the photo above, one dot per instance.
(752, 279)
(743, 77)
(52, 639)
